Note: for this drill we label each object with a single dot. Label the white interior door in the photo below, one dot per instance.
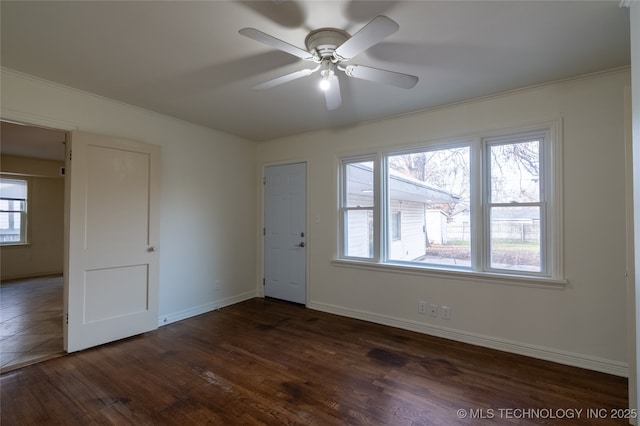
(112, 261)
(285, 232)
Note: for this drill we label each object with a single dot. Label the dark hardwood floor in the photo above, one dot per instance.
(30, 321)
(270, 362)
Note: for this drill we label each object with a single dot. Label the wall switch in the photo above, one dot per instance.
(422, 307)
(433, 310)
(446, 312)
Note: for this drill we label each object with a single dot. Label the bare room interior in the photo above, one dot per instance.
(319, 212)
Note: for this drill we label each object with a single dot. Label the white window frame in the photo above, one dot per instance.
(344, 209)
(544, 203)
(23, 213)
(552, 271)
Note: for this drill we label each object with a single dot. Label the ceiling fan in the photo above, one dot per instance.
(331, 49)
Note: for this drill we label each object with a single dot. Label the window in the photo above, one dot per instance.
(515, 205)
(13, 211)
(488, 205)
(430, 188)
(358, 208)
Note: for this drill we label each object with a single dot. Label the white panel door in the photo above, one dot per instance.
(112, 262)
(285, 232)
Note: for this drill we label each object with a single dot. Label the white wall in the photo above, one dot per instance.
(208, 190)
(583, 324)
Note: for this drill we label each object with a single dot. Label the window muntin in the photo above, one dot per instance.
(13, 211)
(506, 216)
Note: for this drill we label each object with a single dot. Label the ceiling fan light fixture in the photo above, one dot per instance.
(325, 84)
(326, 73)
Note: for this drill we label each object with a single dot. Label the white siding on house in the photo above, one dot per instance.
(412, 242)
(437, 227)
(359, 229)
(359, 233)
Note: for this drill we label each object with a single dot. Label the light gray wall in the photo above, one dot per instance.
(582, 324)
(208, 190)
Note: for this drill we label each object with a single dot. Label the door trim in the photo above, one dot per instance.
(67, 127)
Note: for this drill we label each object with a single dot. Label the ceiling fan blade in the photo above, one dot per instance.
(375, 31)
(284, 79)
(276, 43)
(393, 78)
(332, 96)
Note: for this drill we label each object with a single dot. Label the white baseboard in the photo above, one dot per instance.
(31, 275)
(548, 354)
(203, 309)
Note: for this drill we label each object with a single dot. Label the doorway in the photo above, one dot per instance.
(32, 264)
(285, 232)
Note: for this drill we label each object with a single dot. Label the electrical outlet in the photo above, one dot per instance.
(422, 307)
(218, 284)
(446, 312)
(433, 310)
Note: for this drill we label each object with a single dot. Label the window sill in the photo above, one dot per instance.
(451, 274)
(15, 245)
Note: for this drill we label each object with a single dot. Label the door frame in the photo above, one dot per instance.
(630, 249)
(67, 127)
(261, 236)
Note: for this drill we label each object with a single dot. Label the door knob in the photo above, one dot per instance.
(301, 244)
(152, 249)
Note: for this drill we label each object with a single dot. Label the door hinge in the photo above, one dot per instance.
(67, 318)
(264, 231)
(264, 281)
(70, 154)
(264, 180)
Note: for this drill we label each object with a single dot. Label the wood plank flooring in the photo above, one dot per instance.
(30, 321)
(271, 363)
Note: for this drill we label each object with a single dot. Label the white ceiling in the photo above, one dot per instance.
(187, 60)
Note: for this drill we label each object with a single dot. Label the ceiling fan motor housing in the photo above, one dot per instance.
(324, 41)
